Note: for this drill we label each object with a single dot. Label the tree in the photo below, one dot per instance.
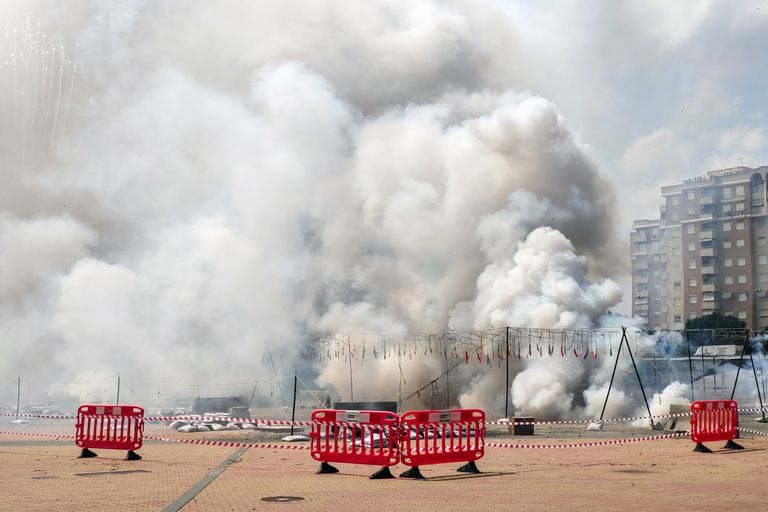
(715, 321)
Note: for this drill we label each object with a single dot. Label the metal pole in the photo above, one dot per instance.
(349, 350)
(447, 387)
(703, 379)
(293, 410)
(18, 395)
(640, 381)
(117, 400)
(690, 363)
(506, 393)
(757, 384)
(615, 364)
(741, 360)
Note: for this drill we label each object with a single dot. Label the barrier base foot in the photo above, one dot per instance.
(413, 473)
(701, 448)
(733, 446)
(469, 467)
(87, 454)
(382, 473)
(132, 455)
(326, 468)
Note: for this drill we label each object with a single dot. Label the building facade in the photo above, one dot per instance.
(707, 251)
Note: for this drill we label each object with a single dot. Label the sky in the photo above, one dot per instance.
(200, 179)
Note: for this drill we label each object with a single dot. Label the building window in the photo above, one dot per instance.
(692, 316)
(691, 264)
(691, 212)
(727, 295)
(677, 318)
(675, 251)
(677, 301)
(692, 299)
(741, 261)
(762, 260)
(728, 279)
(742, 297)
(739, 242)
(742, 279)
(739, 225)
(763, 278)
(740, 191)
(692, 246)
(676, 285)
(726, 226)
(727, 209)
(761, 241)
(726, 192)
(763, 314)
(675, 233)
(742, 315)
(691, 195)
(726, 244)
(690, 229)
(675, 200)
(739, 208)
(692, 282)
(728, 262)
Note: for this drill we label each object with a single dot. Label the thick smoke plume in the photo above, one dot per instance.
(211, 179)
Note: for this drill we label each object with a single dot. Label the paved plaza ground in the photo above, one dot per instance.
(40, 474)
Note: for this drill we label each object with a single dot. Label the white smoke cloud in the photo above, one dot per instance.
(365, 166)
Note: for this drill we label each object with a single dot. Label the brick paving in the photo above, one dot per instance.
(43, 475)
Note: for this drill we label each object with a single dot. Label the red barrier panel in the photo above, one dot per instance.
(113, 427)
(438, 437)
(714, 420)
(354, 437)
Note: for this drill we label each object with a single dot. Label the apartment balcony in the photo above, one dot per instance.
(709, 251)
(640, 265)
(709, 269)
(705, 235)
(709, 306)
(757, 202)
(710, 287)
(706, 216)
(706, 200)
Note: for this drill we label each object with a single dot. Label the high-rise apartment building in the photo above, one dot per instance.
(707, 252)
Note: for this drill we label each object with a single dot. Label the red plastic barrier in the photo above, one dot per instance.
(714, 420)
(113, 427)
(438, 437)
(355, 437)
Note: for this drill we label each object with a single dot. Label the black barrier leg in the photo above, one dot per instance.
(87, 454)
(132, 455)
(469, 467)
(733, 446)
(701, 448)
(383, 473)
(413, 473)
(326, 468)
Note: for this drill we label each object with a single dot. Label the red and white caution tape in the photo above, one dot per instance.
(759, 433)
(587, 444)
(288, 423)
(40, 416)
(32, 434)
(268, 446)
(257, 421)
(570, 422)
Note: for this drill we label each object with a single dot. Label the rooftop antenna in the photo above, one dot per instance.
(741, 162)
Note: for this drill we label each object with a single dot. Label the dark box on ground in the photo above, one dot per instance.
(366, 406)
(522, 430)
